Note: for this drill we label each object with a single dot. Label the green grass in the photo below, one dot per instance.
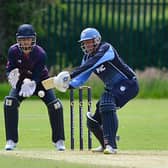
(142, 126)
(12, 161)
(27, 163)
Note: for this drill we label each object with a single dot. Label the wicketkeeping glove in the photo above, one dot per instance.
(13, 77)
(28, 87)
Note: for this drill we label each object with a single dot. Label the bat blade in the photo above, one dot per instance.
(48, 83)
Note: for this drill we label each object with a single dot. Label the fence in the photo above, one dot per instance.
(136, 28)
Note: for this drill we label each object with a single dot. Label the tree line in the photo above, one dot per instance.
(12, 14)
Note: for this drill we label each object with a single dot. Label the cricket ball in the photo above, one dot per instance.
(41, 93)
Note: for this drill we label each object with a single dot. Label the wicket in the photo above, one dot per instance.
(89, 103)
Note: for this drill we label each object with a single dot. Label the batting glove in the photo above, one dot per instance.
(61, 81)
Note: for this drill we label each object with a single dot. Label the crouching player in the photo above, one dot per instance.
(120, 86)
(25, 71)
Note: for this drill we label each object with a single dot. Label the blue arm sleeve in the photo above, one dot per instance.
(83, 76)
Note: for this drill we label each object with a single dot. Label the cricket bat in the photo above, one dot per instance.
(48, 83)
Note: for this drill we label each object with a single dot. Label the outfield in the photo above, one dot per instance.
(143, 132)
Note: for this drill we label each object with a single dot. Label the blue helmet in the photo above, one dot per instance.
(90, 34)
(26, 31)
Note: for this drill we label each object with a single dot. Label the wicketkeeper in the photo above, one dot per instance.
(120, 86)
(25, 70)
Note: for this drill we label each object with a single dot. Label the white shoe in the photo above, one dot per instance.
(60, 145)
(10, 145)
(98, 149)
(109, 150)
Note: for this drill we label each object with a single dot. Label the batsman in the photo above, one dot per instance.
(120, 83)
(25, 70)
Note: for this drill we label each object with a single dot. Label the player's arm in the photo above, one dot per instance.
(10, 62)
(88, 63)
(79, 79)
(12, 72)
(62, 81)
(80, 75)
(84, 67)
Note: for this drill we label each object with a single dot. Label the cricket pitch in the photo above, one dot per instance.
(126, 159)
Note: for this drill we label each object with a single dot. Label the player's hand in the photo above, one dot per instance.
(61, 81)
(13, 77)
(28, 87)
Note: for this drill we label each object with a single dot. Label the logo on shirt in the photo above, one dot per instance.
(122, 88)
(100, 69)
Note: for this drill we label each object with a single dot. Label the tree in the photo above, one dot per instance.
(14, 13)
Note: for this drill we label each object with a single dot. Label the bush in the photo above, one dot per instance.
(153, 83)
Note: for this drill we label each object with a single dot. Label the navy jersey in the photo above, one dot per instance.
(106, 64)
(30, 66)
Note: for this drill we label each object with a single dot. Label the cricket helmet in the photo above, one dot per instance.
(90, 34)
(26, 31)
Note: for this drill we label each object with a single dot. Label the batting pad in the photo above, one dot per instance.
(48, 83)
